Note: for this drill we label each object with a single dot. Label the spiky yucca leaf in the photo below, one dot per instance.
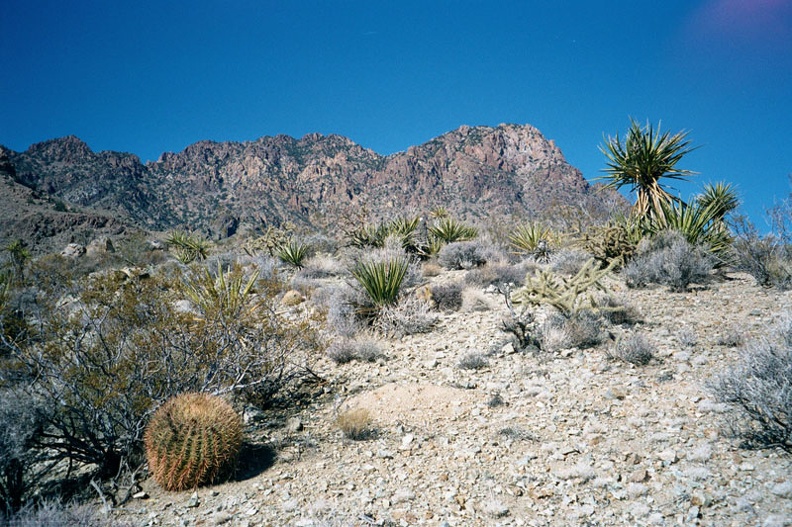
(642, 161)
(699, 224)
(188, 247)
(449, 230)
(226, 293)
(381, 279)
(293, 253)
(531, 238)
(721, 197)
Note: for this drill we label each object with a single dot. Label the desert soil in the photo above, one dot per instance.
(537, 439)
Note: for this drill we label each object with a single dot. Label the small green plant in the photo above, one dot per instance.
(192, 440)
(188, 247)
(355, 424)
(226, 293)
(532, 239)
(293, 253)
(567, 295)
(448, 230)
(381, 280)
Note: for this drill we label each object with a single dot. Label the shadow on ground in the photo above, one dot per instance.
(253, 460)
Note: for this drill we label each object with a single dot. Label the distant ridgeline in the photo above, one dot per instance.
(225, 188)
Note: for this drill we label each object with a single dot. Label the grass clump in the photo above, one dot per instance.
(347, 350)
(473, 361)
(356, 424)
(634, 349)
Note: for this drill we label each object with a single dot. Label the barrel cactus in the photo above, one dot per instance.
(193, 439)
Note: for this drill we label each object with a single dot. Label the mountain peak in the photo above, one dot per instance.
(68, 149)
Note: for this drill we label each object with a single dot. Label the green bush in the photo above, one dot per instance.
(192, 440)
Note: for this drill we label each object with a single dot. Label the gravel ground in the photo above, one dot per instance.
(537, 439)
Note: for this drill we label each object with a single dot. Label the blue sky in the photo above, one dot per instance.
(147, 77)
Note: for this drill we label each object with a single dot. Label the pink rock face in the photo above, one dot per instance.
(473, 172)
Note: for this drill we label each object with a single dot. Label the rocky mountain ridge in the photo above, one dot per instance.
(220, 188)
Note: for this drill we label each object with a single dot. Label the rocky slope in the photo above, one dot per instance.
(220, 188)
(571, 438)
(44, 222)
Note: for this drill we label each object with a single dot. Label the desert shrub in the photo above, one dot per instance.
(473, 361)
(669, 259)
(495, 274)
(616, 310)
(193, 440)
(50, 513)
(462, 255)
(355, 424)
(733, 337)
(321, 266)
(568, 261)
(346, 350)
(340, 303)
(520, 324)
(687, 337)
(107, 359)
(20, 465)
(321, 243)
(448, 297)
(581, 330)
(409, 316)
(759, 388)
(768, 259)
(634, 349)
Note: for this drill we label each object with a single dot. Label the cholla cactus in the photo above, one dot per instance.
(568, 295)
(192, 440)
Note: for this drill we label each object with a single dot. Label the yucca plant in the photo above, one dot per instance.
(449, 230)
(642, 161)
(225, 294)
(532, 239)
(699, 224)
(293, 253)
(720, 197)
(188, 247)
(381, 279)
(193, 439)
